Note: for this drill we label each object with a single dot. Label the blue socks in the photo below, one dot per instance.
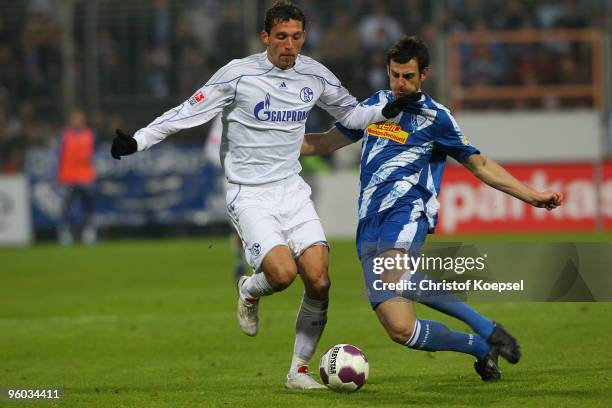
(447, 303)
(429, 335)
(459, 310)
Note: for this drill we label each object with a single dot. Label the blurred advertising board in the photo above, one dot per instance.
(469, 206)
(15, 221)
(167, 184)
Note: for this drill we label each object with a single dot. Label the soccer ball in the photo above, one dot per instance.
(344, 368)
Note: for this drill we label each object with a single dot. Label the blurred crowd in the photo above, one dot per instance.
(152, 54)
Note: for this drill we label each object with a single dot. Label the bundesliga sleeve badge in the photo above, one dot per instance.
(197, 98)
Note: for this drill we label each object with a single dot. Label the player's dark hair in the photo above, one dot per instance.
(280, 11)
(407, 48)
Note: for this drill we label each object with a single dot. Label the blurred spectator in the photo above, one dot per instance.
(201, 19)
(572, 16)
(484, 63)
(109, 64)
(162, 22)
(377, 73)
(378, 30)
(414, 15)
(159, 50)
(193, 65)
(76, 172)
(42, 60)
(482, 67)
(11, 146)
(341, 59)
(231, 29)
(9, 70)
(516, 16)
(32, 128)
(359, 86)
(157, 71)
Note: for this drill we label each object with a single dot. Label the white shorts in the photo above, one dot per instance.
(278, 213)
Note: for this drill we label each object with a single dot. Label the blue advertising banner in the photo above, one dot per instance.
(167, 184)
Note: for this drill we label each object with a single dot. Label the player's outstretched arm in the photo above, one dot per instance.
(364, 114)
(491, 173)
(321, 144)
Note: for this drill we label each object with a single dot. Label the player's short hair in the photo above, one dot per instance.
(283, 10)
(407, 48)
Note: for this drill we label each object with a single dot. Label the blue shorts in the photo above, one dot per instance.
(380, 232)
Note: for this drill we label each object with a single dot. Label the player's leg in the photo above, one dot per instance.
(239, 259)
(276, 271)
(89, 235)
(395, 238)
(411, 237)
(306, 239)
(312, 316)
(64, 234)
(449, 304)
(399, 320)
(253, 212)
(398, 317)
(495, 334)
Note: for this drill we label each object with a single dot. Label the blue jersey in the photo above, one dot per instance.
(402, 159)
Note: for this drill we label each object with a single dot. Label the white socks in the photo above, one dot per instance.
(256, 286)
(309, 325)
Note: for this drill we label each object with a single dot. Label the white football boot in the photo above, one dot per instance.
(302, 380)
(247, 311)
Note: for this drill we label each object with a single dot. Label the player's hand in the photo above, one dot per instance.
(548, 199)
(394, 108)
(123, 145)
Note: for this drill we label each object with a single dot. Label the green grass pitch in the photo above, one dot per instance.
(152, 323)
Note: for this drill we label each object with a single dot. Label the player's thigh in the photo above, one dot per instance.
(301, 225)
(259, 231)
(394, 264)
(398, 317)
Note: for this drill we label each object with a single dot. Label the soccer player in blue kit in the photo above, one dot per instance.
(402, 162)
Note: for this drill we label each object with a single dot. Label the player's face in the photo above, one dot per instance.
(284, 42)
(405, 79)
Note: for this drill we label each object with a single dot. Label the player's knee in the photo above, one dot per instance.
(401, 332)
(283, 277)
(319, 287)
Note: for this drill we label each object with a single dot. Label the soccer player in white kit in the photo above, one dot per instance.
(264, 100)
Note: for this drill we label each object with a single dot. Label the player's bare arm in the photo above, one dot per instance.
(494, 175)
(321, 144)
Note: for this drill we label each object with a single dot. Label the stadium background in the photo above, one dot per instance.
(133, 321)
(529, 82)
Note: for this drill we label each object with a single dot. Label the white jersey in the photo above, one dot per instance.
(264, 111)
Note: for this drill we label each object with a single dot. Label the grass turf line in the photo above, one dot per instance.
(152, 323)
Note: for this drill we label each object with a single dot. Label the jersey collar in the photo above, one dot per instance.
(268, 64)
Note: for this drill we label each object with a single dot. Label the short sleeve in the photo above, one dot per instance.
(352, 134)
(451, 140)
